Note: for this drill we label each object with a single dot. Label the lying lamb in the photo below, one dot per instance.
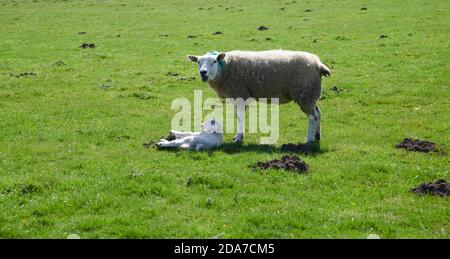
(211, 136)
(287, 75)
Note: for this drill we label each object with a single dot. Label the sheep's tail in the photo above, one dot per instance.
(324, 70)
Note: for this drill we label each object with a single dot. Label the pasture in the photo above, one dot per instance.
(73, 120)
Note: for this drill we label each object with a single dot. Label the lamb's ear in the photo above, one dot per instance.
(192, 58)
(221, 56)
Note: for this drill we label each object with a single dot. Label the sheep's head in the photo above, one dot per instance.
(209, 65)
(212, 127)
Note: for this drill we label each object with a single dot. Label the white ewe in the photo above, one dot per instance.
(287, 75)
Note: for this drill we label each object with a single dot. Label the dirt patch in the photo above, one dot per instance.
(263, 28)
(87, 45)
(59, 63)
(179, 77)
(149, 144)
(417, 145)
(25, 74)
(336, 89)
(106, 85)
(142, 96)
(438, 188)
(299, 148)
(217, 33)
(363, 9)
(187, 78)
(170, 73)
(288, 163)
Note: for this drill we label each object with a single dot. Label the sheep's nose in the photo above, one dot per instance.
(203, 72)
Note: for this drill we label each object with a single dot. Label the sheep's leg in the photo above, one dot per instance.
(318, 116)
(311, 128)
(314, 125)
(240, 124)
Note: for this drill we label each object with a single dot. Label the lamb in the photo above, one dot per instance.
(210, 137)
(287, 75)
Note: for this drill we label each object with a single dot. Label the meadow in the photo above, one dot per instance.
(73, 120)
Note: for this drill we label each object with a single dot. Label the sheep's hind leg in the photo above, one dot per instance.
(240, 124)
(314, 125)
(318, 116)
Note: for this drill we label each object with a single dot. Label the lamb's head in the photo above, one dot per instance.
(209, 65)
(212, 126)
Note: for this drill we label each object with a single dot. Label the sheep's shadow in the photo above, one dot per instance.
(233, 148)
(312, 149)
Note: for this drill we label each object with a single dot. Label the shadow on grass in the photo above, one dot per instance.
(233, 148)
(311, 149)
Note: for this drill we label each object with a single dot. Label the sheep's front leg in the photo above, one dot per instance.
(311, 128)
(240, 124)
(318, 115)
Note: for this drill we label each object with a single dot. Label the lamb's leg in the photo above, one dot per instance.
(185, 146)
(240, 124)
(318, 116)
(182, 134)
(174, 143)
(199, 147)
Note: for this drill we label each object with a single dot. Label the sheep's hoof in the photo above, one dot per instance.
(317, 137)
(238, 138)
(310, 141)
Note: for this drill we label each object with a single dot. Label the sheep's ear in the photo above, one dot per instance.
(192, 58)
(221, 56)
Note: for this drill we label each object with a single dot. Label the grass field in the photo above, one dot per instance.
(71, 154)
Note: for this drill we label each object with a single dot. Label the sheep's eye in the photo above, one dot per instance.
(214, 62)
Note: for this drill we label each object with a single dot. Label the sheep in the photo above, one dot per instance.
(287, 75)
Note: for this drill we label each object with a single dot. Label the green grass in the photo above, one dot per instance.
(71, 155)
